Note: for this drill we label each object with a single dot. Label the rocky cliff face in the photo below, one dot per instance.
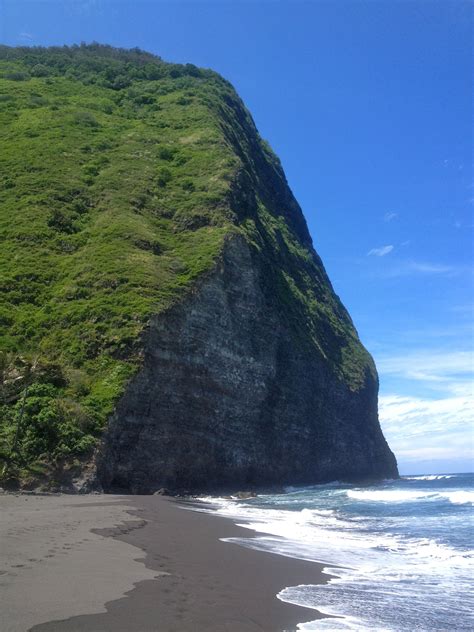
(229, 398)
(164, 308)
(257, 377)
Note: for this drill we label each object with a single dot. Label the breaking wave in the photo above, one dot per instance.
(399, 553)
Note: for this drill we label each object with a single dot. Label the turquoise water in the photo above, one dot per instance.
(401, 550)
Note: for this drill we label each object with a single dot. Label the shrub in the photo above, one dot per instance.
(86, 118)
(61, 222)
(164, 176)
(166, 153)
(188, 185)
(17, 76)
(40, 70)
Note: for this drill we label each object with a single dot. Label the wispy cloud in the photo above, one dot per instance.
(452, 369)
(24, 36)
(429, 268)
(435, 422)
(412, 267)
(86, 7)
(390, 216)
(428, 429)
(410, 413)
(380, 252)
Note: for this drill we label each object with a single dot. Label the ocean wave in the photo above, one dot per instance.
(388, 495)
(304, 595)
(429, 477)
(406, 495)
(370, 608)
(417, 584)
(325, 534)
(384, 579)
(459, 497)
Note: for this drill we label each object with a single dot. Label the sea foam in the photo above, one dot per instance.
(398, 553)
(456, 497)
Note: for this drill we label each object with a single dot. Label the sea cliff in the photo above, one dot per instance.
(167, 321)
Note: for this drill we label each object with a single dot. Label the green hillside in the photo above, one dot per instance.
(120, 177)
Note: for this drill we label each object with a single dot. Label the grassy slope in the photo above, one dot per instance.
(117, 186)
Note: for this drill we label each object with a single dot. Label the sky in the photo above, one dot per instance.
(369, 106)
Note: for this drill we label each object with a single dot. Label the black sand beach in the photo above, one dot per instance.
(200, 583)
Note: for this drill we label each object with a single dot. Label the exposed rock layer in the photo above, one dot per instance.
(229, 398)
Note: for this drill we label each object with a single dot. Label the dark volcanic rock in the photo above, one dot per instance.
(229, 397)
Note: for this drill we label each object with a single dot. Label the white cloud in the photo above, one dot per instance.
(24, 36)
(450, 368)
(437, 427)
(408, 268)
(403, 412)
(389, 216)
(422, 429)
(429, 268)
(380, 252)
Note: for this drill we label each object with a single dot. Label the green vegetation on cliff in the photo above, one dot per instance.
(120, 177)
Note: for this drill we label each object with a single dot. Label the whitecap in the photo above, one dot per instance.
(388, 495)
(429, 477)
(379, 577)
(459, 497)
(395, 495)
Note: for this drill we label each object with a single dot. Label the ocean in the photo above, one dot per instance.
(400, 551)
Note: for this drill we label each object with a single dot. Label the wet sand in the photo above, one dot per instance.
(149, 564)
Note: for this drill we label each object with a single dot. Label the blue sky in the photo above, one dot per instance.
(369, 106)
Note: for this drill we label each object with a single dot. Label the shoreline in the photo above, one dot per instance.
(190, 580)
